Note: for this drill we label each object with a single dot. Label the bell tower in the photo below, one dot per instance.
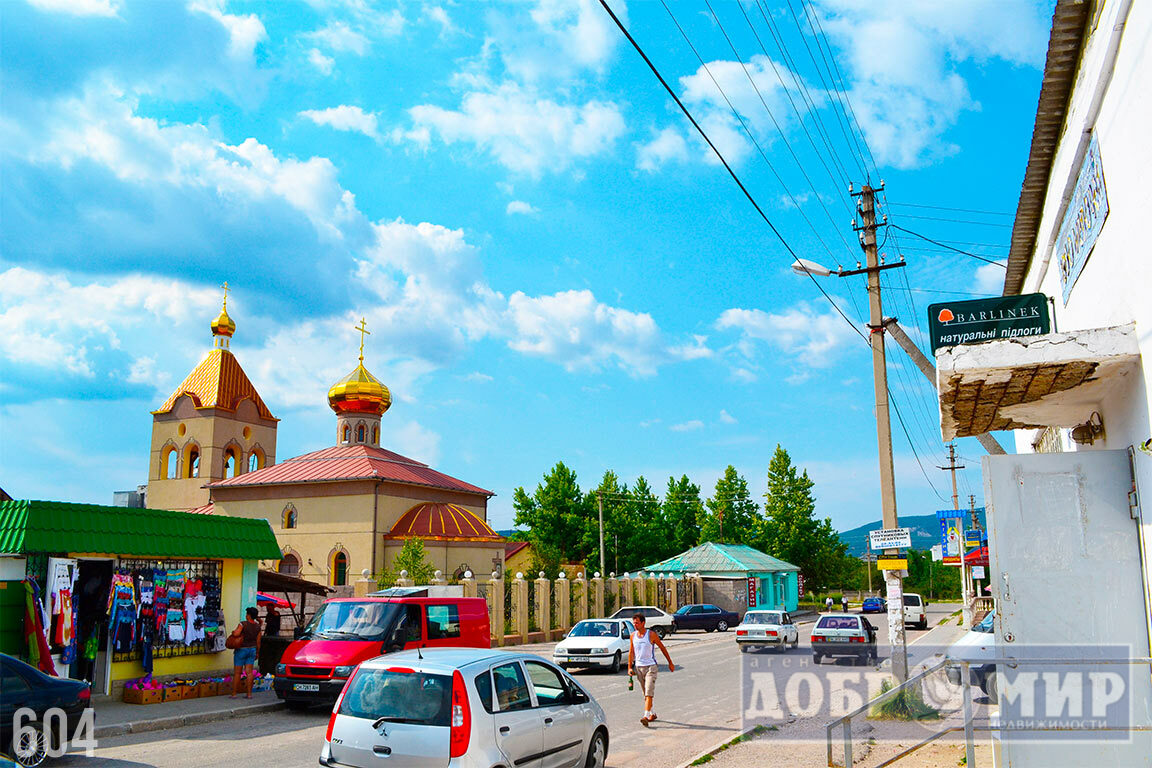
(214, 426)
(359, 400)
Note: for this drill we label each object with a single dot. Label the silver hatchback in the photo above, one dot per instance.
(464, 708)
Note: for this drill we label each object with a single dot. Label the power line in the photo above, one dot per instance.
(724, 162)
(942, 244)
(946, 208)
(952, 293)
(956, 221)
(904, 427)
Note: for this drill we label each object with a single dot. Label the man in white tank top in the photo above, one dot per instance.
(642, 663)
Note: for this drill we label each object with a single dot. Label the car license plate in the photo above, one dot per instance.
(306, 687)
(837, 639)
(757, 633)
(579, 658)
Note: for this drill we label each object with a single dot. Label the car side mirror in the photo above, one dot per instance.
(297, 633)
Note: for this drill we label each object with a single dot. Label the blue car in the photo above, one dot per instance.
(873, 605)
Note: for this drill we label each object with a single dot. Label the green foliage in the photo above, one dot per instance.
(731, 516)
(933, 579)
(682, 511)
(557, 516)
(790, 530)
(908, 704)
(412, 558)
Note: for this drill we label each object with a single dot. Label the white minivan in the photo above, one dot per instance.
(915, 608)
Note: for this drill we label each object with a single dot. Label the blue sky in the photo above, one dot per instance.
(552, 265)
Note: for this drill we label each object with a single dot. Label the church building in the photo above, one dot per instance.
(336, 511)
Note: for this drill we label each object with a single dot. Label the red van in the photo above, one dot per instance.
(346, 631)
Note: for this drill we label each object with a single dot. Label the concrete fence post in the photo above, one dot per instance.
(597, 606)
(581, 587)
(438, 579)
(543, 606)
(670, 585)
(468, 583)
(364, 584)
(520, 608)
(403, 581)
(640, 590)
(495, 598)
(613, 586)
(563, 604)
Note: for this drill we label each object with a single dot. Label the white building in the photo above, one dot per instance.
(1071, 534)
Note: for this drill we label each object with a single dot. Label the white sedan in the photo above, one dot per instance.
(767, 628)
(595, 643)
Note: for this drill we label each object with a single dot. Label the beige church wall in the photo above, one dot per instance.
(447, 556)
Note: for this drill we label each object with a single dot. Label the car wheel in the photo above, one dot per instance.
(31, 748)
(722, 626)
(597, 751)
(660, 631)
(796, 642)
(817, 658)
(989, 687)
(615, 663)
(743, 649)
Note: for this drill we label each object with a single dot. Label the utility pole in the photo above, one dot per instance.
(964, 584)
(600, 507)
(868, 567)
(893, 579)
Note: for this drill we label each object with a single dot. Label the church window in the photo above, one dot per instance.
(347, 433)
(375, 435)
(192, 467)
(289, 564)
(171, 465)
(289, 516)
(229, 463)
(339, 569)
(360, 433)
(255, 460)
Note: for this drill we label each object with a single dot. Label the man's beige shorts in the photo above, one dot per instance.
(647, 678)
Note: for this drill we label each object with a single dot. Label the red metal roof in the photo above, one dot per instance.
(431, 520)
(207, 509)
(350, 462)
(513, 547)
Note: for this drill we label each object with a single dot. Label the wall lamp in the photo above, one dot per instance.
(1089, 431)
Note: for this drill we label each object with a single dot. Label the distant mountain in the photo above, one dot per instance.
(925, 532)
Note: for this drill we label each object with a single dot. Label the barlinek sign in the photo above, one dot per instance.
(971, 322)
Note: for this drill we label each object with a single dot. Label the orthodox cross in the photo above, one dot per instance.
(363, 331)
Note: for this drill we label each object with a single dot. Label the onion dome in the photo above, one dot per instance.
(224, 325)
(359, 392)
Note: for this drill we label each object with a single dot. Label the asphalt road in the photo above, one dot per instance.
(699, 706)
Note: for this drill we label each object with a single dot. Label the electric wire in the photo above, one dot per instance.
(956, 221)
(944, 245)
(784, 138)
(946, 208)
(904, 427)
(748, 132)
(724, 161)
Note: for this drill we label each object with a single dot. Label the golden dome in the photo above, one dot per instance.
(359, 392)
(223, 325)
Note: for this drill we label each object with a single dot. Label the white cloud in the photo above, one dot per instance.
(569, 36)
(687, 426)
(523, 132)
(414, 441)
(437, 15)
(667, 146)
(726, 418)
(79, 7)
(801, 331)
(519, 206)
(903, 59)
(990, 278)
(478, 376)
(320, 61)
(245, 32)
(344, 118)
(338, 36)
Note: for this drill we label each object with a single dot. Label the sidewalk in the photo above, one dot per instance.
(115, 718)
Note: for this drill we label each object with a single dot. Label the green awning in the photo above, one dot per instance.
(724, 560)
(58, 526)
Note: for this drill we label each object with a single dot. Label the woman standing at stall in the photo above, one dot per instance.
(246, 644)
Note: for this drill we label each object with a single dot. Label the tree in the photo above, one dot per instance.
(682, 512)
(557, 516)
(645, 529)
(412, 558)
(731, 516)
(791, 531)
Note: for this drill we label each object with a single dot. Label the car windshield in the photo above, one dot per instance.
(761, 618)
(399, 697)
(986, 624)
(838, 622)
(625, 613)
(595, 629)
(368, 620)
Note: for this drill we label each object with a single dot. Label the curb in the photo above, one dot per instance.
(178, 721)
(715, 748)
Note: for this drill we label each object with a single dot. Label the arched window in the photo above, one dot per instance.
(339, 569)
(255, 460)
(289, 516)
(360, 433)
(192, 465)
(375, 435)
(347, 433)
(289, 564)
(229, 462)
(170, 468)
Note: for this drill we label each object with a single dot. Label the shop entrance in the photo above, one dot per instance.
(93, 662)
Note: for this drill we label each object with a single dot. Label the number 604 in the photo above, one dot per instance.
(34, 741)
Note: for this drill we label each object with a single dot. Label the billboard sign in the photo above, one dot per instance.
(1083, 220)
(972, 322)
(890, 538)
(952, 535)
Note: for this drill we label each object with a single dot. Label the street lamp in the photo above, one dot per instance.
(806, 267)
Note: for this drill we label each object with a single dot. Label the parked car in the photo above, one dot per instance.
(347, 631)
(595, 643)
(915, 608)
(976, 646)
(655, 619)
(25, 686)
(761, 629)
(873, 605)
(464, 708)
(704, 616)
(844, 634)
